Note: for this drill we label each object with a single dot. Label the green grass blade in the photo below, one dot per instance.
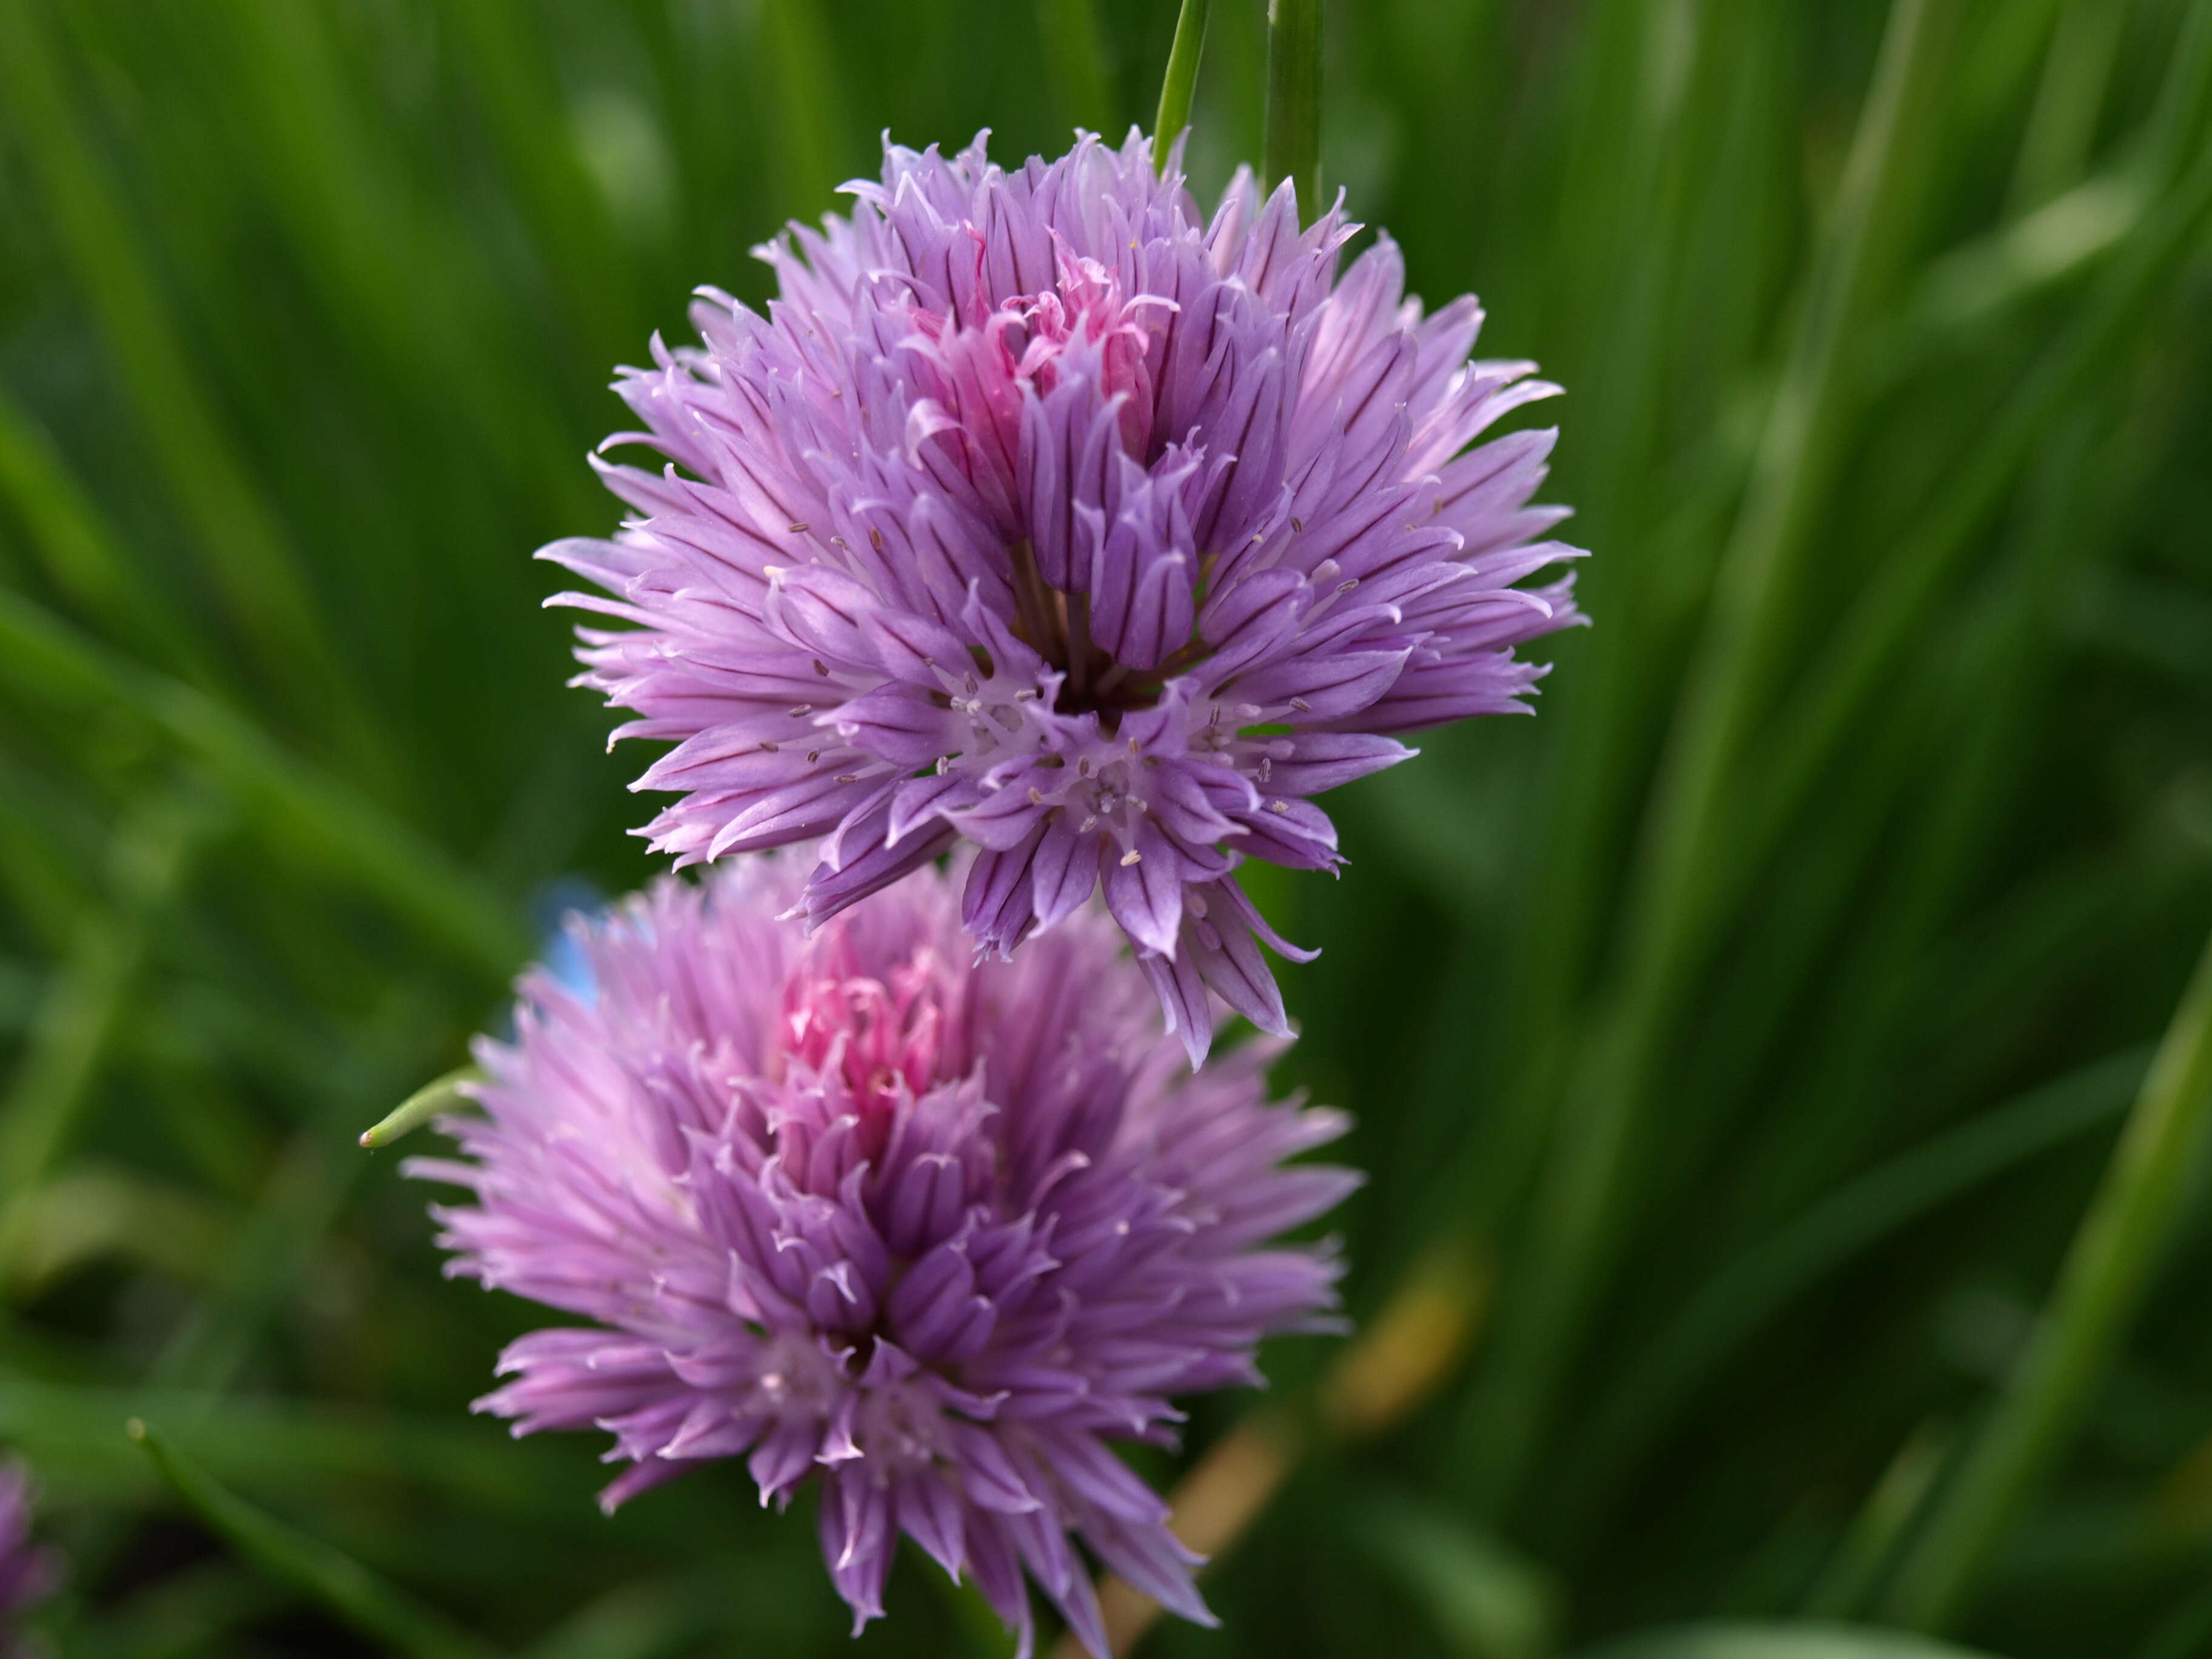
(304, 807)
(298, 1447)
(1883, 1521)
(88, 998)
(1492, 1601)
(78, 551)
(267, 593)
(1595, 762)
(1673, 912)
(43, 873)
(378, 1610)
(1879, 626)
(1180, 83)
(2061, 126)
(94, 1212)
(2120, 1242)
(505, 58)
(341, 195)
(1726, 1310)
(1996, 275)
(272, 1247)
(2177, 126)
(797, 66)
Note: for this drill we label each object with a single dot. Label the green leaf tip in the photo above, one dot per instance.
(443, 1095)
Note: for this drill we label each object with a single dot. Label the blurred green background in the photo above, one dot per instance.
(1737, 1047)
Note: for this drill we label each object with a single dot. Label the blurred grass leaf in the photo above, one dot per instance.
(259, 572)
(1776, 1642)
(1487, 1599)
(377, 1609)
(305, 808)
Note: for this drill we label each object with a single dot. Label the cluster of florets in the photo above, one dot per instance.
(1041, 512)
(927, 1234)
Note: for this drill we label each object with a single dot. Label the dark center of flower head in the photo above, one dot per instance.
(1056, 625)
(1087, 328)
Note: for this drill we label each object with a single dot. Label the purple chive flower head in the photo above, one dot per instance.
(924, 1233)
(1041, 512)
(28, 1573)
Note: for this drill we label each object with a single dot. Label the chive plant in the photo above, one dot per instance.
(1778, 1066)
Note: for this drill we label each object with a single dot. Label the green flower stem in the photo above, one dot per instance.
(1869, 639)
(1870, 1541)
(2120, 1242)
(500, 48)
(2061, 125)
(1292, 148)
(1181, 81)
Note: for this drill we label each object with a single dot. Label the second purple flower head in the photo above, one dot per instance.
(1042, 513)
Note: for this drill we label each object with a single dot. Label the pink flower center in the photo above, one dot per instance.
(975, 382)
(888, 1041)
(1088, 309)
(1030, 339)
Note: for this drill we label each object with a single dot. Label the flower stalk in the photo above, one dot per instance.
(1291, 144)
(1180, 85)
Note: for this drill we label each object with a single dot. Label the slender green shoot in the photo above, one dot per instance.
(798, 71)
(441, 1095)
(1292, 146)
(1180, 85)
(88, 1001)
(79, 551)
